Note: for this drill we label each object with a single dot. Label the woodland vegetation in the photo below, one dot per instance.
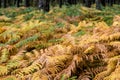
(69, 43)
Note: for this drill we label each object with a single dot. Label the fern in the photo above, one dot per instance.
(110, 68)
(13, 64)
(5, 56)
(3, 70)
(10, 78)
(115, 44)
(15, 38)
(26, 41)
(35, 66)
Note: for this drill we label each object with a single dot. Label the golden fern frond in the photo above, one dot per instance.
(5, 36)
(89, 50)
(13, 64)
(110, 54)
(110, 68)
(19, 56)
(38, 76)
(29, 55)
(27, 26)
(12, 77)
(35, 66)
(69, 40)
(5, 18)
(115, 44)
(5, 55)
(3, 70)
(114, 75)
(112, 37)
(16, 71)
(58, 60)
(36, 53)
(2, 29)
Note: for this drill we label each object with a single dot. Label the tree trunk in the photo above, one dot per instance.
(0, 3)
(60, 3)
(27, 3)
(18, 3)
(4, 3)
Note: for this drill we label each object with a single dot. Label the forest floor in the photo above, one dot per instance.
(68, 43)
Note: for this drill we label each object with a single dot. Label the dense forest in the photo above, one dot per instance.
(45, 4)
(59, 39)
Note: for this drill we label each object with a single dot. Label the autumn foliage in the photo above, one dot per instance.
(49, 46)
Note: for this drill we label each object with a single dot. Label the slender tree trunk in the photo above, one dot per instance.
(103, 2)
(46, 5)
(0, 3)
(4, 3)
(98, 4)
(18, 3)
(60, 3)
(88, 3)
(10, 2)
(27, 3)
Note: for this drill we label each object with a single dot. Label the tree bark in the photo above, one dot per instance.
(27, 3)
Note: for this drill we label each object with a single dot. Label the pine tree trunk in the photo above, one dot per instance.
(0, 3)
(60, 3)
(18, 3)
(27, 3)
(4, 3)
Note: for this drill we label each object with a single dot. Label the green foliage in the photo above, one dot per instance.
(26, 41)
(80, 33)
(59, 25)
(28, 16)
(73, 11)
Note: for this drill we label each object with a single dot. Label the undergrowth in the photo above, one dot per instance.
(68, 43)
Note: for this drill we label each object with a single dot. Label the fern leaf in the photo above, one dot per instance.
(26, 41)
(5, 55)
(30, 69)
(3, 70)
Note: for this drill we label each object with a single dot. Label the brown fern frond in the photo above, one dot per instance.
(91, 72)
(71, 69)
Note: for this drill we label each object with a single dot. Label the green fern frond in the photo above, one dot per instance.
(26, 41)
(15, 38)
